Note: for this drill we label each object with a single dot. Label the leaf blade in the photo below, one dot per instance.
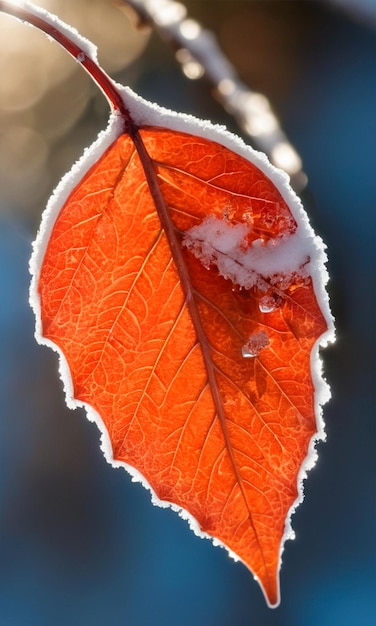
(131, 334)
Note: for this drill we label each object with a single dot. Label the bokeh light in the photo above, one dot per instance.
(44, 92)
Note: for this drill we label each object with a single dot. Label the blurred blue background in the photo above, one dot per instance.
(80, 544)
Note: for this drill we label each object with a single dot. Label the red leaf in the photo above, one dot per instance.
(218, 434)
(181, 284)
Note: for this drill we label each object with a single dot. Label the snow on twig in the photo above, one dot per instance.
(199, 54)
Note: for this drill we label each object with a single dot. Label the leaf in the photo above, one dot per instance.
(178, 277)
(155, 346)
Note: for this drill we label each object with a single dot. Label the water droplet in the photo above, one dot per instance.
(267, 304)
(246, 353)
(254, 345)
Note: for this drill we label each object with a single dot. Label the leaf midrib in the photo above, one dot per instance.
(177, 255)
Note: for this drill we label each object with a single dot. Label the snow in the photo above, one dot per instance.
(218, 242)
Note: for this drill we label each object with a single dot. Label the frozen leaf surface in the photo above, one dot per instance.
(157, 335)
(178, 277)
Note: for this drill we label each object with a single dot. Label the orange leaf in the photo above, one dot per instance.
(156, 346)
(181, 285)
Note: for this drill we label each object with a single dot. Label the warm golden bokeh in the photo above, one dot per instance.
(44, 93)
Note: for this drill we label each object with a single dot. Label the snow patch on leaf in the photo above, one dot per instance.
(220, 243)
